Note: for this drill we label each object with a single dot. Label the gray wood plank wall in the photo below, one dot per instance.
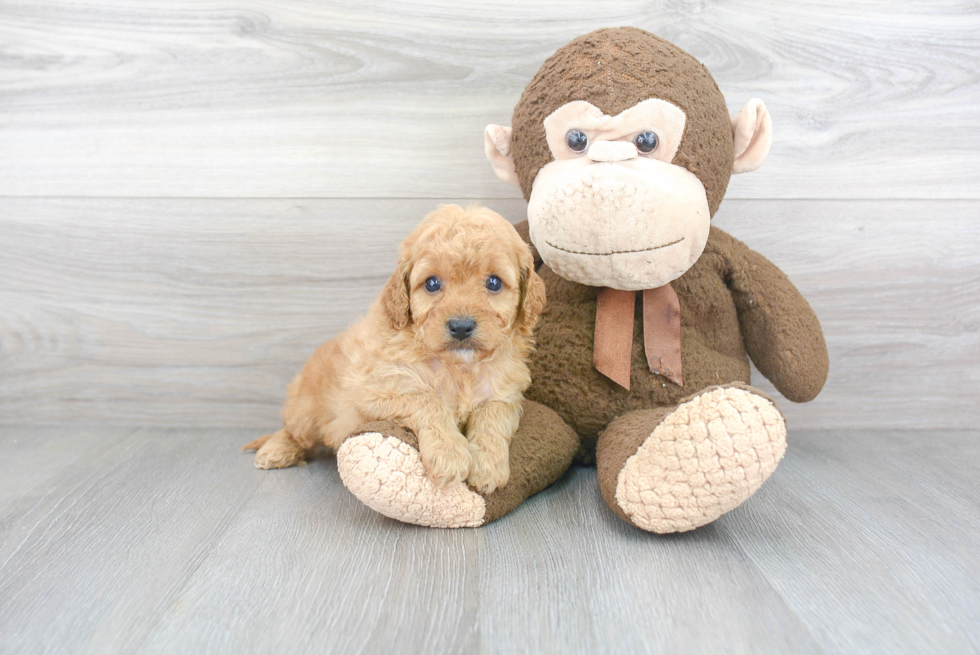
(193, 195)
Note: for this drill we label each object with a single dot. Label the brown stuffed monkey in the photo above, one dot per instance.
(623, 147)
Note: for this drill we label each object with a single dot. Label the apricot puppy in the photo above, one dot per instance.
(441, 351)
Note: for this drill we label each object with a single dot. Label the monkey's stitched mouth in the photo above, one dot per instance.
(614, 252)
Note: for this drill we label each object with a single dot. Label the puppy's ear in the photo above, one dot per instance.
(532, 294)
(395, 297)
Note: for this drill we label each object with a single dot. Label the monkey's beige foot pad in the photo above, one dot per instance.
(703, 459)
(387, 475)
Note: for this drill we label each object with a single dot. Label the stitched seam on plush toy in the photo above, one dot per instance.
(614, 252)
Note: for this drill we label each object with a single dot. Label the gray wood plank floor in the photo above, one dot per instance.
(168, 541)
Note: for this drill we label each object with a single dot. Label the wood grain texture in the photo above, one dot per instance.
(115, 535)
(891, 532)
(389, 99)
(307, 568)
(167, 540)
(587, 582)
(29, 471)
(198, 312)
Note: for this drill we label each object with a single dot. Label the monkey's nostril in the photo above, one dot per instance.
(461, 328)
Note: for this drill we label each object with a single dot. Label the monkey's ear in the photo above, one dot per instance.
(395, 298)
(496, 143)
(752, 129)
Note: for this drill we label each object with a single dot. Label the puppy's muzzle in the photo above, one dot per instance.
(461, 328)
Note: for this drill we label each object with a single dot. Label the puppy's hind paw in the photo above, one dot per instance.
(279, 451)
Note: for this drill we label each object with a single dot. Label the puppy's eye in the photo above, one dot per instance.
(576, 140)
(494, 283)
(646, 142)
(433, 284)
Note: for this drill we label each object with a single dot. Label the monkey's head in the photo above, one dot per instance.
(623, 148)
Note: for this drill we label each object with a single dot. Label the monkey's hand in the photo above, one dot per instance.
(781, 331)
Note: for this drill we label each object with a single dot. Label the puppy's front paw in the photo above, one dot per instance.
(446, 461)
(490, 469)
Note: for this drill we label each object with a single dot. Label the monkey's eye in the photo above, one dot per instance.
(433, 284)
(494, 284)
(577, 140)
(646, 142)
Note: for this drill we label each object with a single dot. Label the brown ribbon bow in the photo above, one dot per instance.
(661, 333)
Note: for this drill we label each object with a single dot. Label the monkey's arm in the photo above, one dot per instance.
(781, 331)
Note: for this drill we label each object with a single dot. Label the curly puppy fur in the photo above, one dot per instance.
(462, 397)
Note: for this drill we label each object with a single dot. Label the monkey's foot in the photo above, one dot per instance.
(383, 469)
(678, 468)
(380, 464)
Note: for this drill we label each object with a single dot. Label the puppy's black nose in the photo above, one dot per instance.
(461, 328)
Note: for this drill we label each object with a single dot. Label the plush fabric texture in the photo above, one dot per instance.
(384, 471)
(608, 131)
(734, 303)
(614, 69)
(670, 458)
(752, 127)
(496, 146)
(676, 469)
(724, 437)
(583, 217)
(540, 453)
(381, 466)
